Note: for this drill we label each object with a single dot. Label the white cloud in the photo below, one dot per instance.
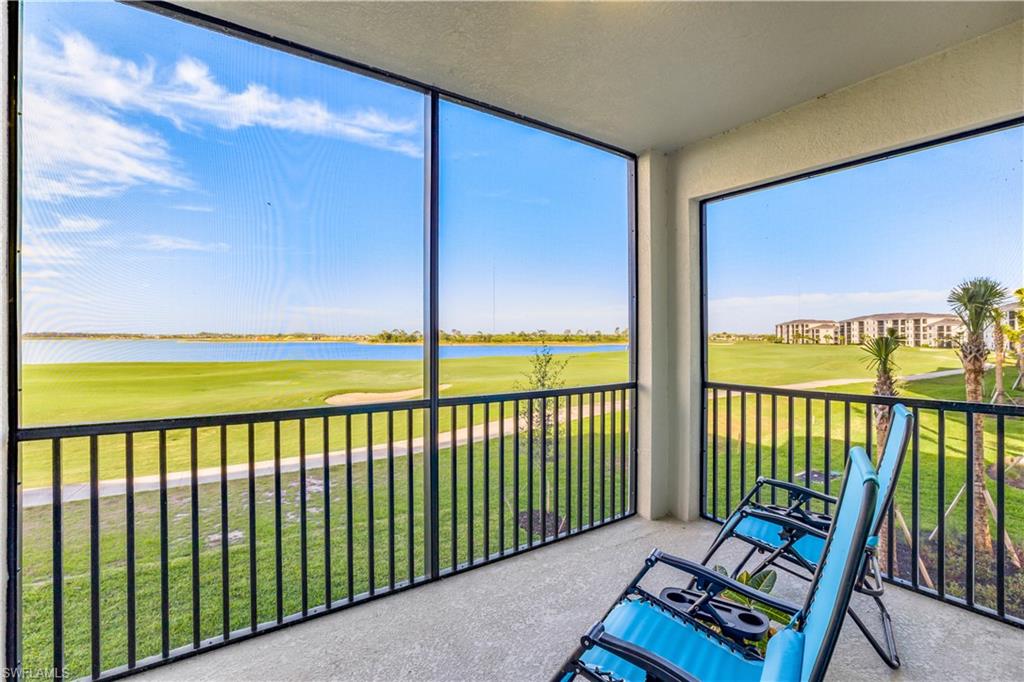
(37, 289)
(164, 242)
(44, 253)
(40, 275)
(71, 224)
(76, 97)
(193, 93)
(72, 150)
(906, 296)
(761, 313)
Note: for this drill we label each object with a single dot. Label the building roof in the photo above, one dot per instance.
(948, 319)
(890, 316)
(807, 322)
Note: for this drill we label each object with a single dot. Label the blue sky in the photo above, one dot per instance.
(895, 235)
(533, 228)
(177, 180)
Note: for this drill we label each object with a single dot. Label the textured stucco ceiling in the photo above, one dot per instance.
(635, 75)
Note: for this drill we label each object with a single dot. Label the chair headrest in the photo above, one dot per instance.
(840, 565)
(901, 423)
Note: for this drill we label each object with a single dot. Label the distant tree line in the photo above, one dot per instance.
(454, 336)
(540, 336)
(729, 337)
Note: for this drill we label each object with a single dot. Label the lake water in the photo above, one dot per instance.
(42, 352)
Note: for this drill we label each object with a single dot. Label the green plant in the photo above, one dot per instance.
(1015, 335)
(999, 397)
(545, 372)
(538, 416)
(763, 581)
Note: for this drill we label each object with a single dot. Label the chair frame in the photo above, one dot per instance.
(712, 583)
(798, 521)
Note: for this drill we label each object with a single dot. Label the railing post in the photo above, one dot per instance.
(431, 364)
(12, 465)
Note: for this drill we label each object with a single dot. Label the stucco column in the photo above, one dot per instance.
(654, 352)
(685, 305)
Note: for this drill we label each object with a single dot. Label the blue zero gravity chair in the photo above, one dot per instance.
(793, 536)
(644, 638)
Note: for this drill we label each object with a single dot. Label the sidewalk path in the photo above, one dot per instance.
(840, 382)
(35, 497)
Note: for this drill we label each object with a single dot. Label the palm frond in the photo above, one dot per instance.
(976, 301)
(880, 351)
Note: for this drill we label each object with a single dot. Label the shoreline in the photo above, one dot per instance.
(354, 341)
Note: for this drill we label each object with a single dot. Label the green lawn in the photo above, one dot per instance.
(89, 392)
(777, 364)
(37, 562)
(955, 444)
(76, 393)
(796, 452)
(80, 393)
(101, 392)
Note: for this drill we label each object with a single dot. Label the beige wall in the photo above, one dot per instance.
(973, 84)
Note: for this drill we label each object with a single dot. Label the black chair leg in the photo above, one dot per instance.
(887, 651)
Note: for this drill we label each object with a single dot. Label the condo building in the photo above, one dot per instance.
(806, 331)
(935, 330)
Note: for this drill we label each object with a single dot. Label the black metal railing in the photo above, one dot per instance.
(804, 437)
(142, 542)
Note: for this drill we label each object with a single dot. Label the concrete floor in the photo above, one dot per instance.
(520, 618)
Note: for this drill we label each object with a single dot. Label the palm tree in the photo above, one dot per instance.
(974, 302)
(880, 351)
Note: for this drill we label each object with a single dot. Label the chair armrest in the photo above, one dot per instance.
(654, 665)
(719, 583)
(797, 489)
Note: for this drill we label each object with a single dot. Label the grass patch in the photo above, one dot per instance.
(115, 391)
(80, 393)
(778, 364)
(502, 532)
(816, 441)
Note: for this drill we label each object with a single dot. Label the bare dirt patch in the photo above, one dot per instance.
(365, 398)
(550, 520)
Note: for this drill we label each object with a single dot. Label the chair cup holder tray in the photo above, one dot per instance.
(737, 622)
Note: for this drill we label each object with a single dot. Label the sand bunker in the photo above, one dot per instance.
(364, 398)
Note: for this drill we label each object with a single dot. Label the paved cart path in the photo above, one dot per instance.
(35, 497)
(824, 383)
